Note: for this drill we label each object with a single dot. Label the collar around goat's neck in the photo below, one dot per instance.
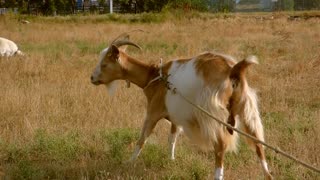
(132, 65)
(161, 76)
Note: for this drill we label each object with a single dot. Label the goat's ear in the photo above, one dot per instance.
(113, 51)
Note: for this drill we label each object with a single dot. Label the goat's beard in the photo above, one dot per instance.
(112, 87)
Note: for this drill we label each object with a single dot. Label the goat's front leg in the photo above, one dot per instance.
(148, 126)
(174, 133)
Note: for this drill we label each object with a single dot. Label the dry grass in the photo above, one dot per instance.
(55, 124)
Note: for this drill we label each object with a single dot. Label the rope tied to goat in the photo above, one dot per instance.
(174, 90)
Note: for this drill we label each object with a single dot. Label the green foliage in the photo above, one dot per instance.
(26, 161)
(306, 4)
(249, 2)
(287, 5)
(198, 170)
(25, 169)
(117, 141)
(50, 7)
(157, 46)
(138, 6)
(155, 156)
(223, 6)
(187, 5)
(56, 49)
(58, 148)
(44, 145)
(86, 47)
(13, 153)
(151, 17)
(137, 18)
(10, 3)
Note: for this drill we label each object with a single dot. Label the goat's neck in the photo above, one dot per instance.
(136, 72)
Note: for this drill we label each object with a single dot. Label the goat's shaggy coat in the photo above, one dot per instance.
(214, 81)
(8, 48)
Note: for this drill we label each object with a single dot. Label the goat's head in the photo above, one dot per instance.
(109, 67)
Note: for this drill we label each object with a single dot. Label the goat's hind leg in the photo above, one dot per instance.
(219, 150)
(259, 149)
(174, 133)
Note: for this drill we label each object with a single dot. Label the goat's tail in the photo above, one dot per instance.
(237, 74)
(244, 101)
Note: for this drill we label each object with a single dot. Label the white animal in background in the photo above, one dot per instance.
(25, 21)
(8, 48)
(214, 81)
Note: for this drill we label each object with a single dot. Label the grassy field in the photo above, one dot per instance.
(56, 125)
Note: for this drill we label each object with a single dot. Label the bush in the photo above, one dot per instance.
(223, 6)
(188, 5)
(287, 5)
(155, 156)
(59, 148)
(118, 140)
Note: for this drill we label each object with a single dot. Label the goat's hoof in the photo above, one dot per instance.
(269, 176)
(220, 178)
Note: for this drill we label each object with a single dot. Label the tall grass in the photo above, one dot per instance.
(56, 125)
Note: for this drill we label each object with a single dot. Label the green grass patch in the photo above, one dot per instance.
(59, 148)
(32, 160)
(155, 156)
(52, 50)
(86, 47)
(157, 46)
(199, 170)
(117, 143)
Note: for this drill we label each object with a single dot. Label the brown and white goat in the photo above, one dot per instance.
(214, 81)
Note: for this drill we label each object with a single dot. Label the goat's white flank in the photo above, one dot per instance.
(214, 81)
(184, 78)
(8, 48)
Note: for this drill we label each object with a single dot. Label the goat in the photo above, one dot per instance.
(212, 80)
(8, 48)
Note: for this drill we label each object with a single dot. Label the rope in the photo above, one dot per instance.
(277, 150)
(160, 77)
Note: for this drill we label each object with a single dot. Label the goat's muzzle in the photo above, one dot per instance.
(94, 81)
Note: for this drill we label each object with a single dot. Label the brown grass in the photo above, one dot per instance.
(49, 90)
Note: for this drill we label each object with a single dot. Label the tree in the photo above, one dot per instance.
(10, 3)
(223, 5)
(287, 5)
(306, 4)
(48, 7)
(201, 5)
(134, 6)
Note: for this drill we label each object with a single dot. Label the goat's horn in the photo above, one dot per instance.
(122, 43)
(123, 35)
